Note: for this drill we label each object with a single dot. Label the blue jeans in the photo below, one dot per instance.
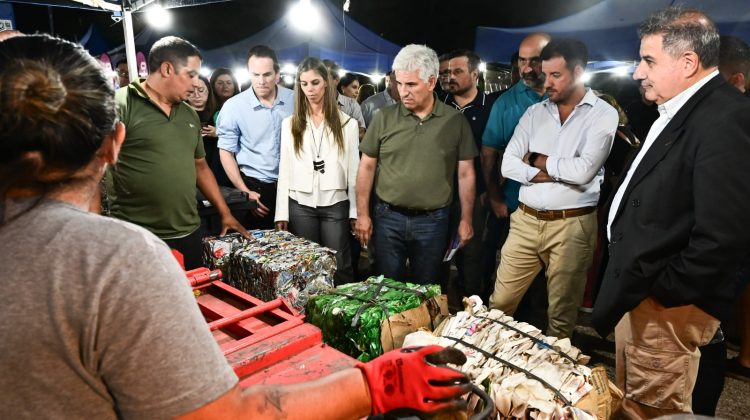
(423, 239)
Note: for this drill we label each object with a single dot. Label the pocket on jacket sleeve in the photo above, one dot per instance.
(656, 377)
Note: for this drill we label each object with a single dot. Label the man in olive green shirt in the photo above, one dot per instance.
(162, 158)
(417, 147)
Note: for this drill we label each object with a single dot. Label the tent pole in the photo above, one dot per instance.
(127, 25)
(51, 21)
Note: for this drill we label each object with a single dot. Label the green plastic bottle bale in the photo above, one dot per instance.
(350, 316)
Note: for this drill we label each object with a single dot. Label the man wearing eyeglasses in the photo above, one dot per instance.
(123, 77)
(444, 77)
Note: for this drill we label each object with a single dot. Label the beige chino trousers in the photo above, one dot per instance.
(565, 247)
(657, 356)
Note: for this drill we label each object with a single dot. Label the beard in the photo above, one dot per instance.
(457, 90)
(533, 80)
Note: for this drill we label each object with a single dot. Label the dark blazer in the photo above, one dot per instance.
(682, 231)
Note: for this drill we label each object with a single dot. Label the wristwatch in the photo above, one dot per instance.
(532, 158)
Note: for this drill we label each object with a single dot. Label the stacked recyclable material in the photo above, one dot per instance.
(528, 375)
(358, 318)
(272, 264)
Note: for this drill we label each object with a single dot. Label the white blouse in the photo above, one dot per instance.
(298, 179)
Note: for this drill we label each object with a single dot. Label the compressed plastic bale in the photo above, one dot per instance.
(352, 316)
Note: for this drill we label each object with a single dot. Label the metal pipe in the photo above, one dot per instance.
(51, 21)
(247, 313)
(127, 26)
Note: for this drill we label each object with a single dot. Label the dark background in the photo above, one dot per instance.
(443, 25)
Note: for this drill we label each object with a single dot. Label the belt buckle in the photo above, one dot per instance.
(543, 214)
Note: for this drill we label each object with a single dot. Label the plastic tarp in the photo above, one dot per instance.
(94, 41)
(339, 38)
(609, 28)
(351, 45)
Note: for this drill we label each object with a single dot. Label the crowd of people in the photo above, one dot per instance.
(430, 164)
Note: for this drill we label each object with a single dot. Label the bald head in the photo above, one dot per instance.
(10, 33)
(529, 63)
(537, 40)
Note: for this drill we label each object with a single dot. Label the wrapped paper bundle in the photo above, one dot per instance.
(272, 264)
(527, 374)
(365, 319)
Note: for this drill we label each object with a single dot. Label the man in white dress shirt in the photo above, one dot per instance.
(556, 153)
(679, 237)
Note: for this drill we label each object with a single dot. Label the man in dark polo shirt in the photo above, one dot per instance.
(417, 146)
(475, 261)
(162, 158)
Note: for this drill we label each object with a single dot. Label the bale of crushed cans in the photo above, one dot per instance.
(272, 264)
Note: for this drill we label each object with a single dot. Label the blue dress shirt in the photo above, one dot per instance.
(252, 131)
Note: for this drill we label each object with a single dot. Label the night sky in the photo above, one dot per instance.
(443, 25)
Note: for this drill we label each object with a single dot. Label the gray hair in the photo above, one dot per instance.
(684, 30)
(417, 57)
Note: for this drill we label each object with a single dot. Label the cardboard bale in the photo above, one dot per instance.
(604, 398)
(527, 374)
(365, 319)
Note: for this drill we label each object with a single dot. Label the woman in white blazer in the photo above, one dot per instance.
(318, 168)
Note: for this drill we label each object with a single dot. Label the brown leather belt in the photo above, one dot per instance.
(555, 214)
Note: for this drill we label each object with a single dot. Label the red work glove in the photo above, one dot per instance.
(410, 379)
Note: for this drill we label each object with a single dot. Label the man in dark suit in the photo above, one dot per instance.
(679, 224)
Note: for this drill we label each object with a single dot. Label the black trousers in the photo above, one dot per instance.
(710, 381)
(267, 191)
(328, 226)
(191, 248)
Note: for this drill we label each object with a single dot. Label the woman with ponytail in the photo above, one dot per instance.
(98, 320)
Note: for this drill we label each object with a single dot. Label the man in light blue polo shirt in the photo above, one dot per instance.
(249, 130)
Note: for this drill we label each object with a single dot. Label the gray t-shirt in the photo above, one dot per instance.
(98, 321)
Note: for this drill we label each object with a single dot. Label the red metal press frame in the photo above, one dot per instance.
(264, 342)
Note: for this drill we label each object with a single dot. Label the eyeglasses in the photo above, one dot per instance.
(123, 73)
